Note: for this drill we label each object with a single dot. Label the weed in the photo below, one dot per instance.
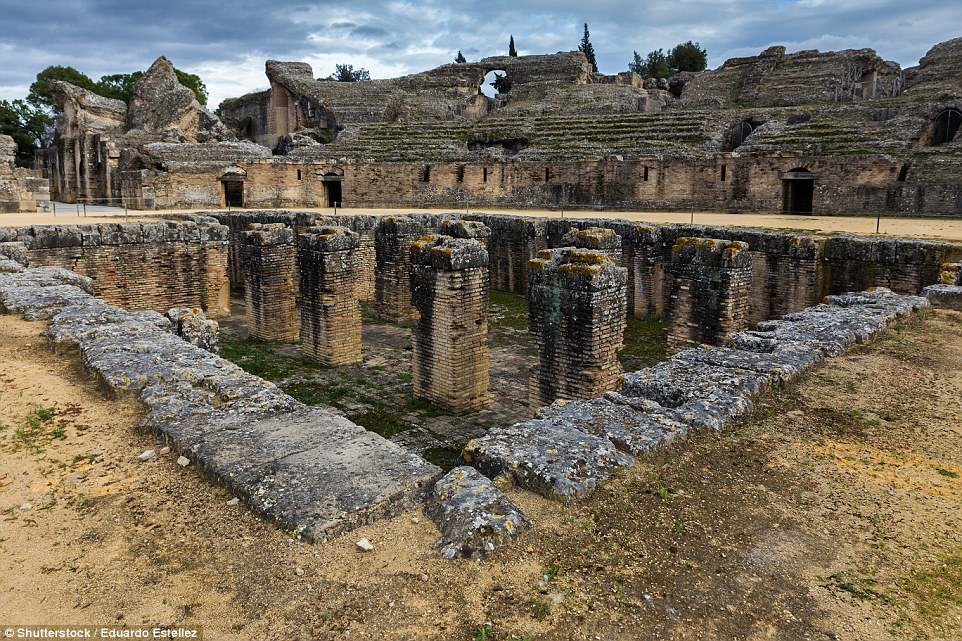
(3, 426)
(948, 473)
(30, 433)
(663, 492)
(540, 608)
(937, 588)
(551, 572)
(862, 588)
(484, 633)
(59, 432)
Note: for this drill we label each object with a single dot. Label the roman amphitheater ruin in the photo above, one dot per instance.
(745, 311)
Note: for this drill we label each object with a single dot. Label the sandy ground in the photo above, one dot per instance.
(834, 512)
(935, 228)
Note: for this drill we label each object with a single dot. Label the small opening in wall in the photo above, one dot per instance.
(903, 173)
(945, 127)
(645, 174)
(426, 174)
(724, 172)
(459, 173)
(547, 174)
(298, 174)
(484, 175)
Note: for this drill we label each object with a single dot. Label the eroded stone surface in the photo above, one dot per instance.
(474, 516)
(947, 296)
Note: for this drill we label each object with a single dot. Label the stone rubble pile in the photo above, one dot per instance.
(192, 324)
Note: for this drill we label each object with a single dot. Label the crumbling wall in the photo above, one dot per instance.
(392, 289)
(449, 289)
(709, 291)
(142, 266)
(20, 189)
(576, 309)
(270, 266)
(513, 242)
(330, 316)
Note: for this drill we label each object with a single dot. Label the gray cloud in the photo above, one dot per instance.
(228, 44)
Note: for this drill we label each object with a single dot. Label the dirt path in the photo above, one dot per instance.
(835, 512)
(932, 228)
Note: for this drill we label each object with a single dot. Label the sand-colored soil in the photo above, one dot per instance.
(835, 512)
(933, 228)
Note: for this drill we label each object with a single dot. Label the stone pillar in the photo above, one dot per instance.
(330, 313)
(600, 238)
(711, 283)
(646, 271)
(449, 287)
(392, 274)
(269, 261)
(364, 255)
(576, 309)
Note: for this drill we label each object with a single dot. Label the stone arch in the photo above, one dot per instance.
(738, 133)
(945, 126)
(487, 86)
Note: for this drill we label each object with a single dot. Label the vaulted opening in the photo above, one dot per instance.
(738, 134)
(945, 127)
(495, 81)
(233, 193)
(798, 191)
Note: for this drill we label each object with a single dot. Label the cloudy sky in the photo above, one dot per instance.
(228, 42)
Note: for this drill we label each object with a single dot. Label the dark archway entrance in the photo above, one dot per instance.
(798, 191)
(334, 196)
(945, 127)
(738, 134)
(233, 193)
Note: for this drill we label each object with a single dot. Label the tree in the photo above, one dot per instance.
(28, 124)
(637, 65)
(588, 49)
(460, 59)
(688, 56)
(655, 65)
(39, 93)
(193, 82)
(511, 50)
(346, 73)
(119, 86)
(501, 83)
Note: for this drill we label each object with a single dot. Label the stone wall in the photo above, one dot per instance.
(20, 189)
(576, 309)
(710, 285)
(449, 289)
(329, 311)
(392, 243)
(270, 274)
(141, 266)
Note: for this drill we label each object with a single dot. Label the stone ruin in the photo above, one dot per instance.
(806, 132)
(20, 189)
(318, 474)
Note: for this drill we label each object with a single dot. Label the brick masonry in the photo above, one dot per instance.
(710, 291)
(329, 311)
(576, 307)
(449, 288)
(269, 260)
(392, 244)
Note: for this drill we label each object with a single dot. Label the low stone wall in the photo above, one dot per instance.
(310, 470)
(141, 266)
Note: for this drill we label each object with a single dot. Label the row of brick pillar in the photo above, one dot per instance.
(577, 302)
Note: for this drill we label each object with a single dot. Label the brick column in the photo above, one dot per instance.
(711, 282)
(600, 238)
(449, 287)
(392, 274)
(269, 261)
(364, 255)
(576, 311)
(646, 275)
(330, 313)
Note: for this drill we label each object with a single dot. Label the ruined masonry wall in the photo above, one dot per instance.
(449, 288)
(710, 291)
(329, 311)
(576, 308)
(140, 266)
(392, 245)
(269, 271)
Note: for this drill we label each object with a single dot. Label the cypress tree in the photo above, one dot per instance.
(588, 49)
(511, 50)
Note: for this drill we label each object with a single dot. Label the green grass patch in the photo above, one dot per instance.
(938, 588)
(948, 473)
(508, 311)
(447, 458)
(861, 587)
(262, 359)
(31, 434)
(646, 343)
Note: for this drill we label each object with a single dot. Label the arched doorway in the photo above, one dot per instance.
(332, 186)
(495, 81)
(738, 134)
(945, 127)
(798, 191)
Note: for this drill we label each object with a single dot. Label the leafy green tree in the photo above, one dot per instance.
(119, 86)
(193, 82)
(655, 65)
(460, 59)
(39, 93)
(511, 50)
(637, 64)
(688, 56)
(30, 125)
(346, 73)
(501, 83)
(588, 49)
